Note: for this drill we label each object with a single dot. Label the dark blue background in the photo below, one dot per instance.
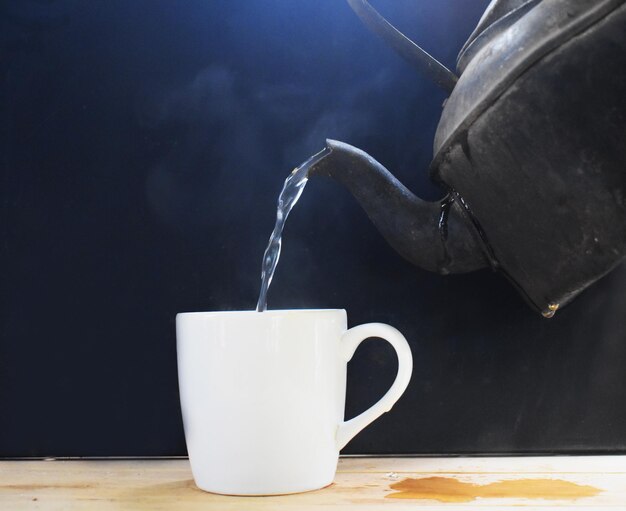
(143, 145)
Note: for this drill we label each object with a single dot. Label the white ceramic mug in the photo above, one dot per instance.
(263, 393)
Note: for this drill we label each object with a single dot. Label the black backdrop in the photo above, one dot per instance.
(143, 144)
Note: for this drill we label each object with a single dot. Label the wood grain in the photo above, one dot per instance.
(365, 482)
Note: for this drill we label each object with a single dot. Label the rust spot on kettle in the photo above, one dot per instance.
(448, 489)
(552, 308)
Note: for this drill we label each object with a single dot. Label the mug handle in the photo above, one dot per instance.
(349, 343)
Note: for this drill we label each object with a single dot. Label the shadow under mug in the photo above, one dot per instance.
(263, 394)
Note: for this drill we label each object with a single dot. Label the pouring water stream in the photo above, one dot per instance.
(289, 195)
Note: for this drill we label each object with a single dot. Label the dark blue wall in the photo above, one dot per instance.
(143, 144)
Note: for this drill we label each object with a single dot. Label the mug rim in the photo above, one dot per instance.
(266, 313)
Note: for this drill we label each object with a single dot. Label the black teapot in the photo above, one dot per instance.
(530, 150)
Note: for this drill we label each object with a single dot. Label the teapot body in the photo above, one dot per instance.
(532, 142)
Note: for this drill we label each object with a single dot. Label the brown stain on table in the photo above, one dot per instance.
(449, 489)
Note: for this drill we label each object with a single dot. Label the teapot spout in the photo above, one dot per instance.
(435, 236)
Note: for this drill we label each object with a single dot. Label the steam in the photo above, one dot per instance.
(228, 149)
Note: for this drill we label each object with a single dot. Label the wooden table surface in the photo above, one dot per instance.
(594, 482)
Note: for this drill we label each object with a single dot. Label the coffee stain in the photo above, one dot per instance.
(449, 489)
